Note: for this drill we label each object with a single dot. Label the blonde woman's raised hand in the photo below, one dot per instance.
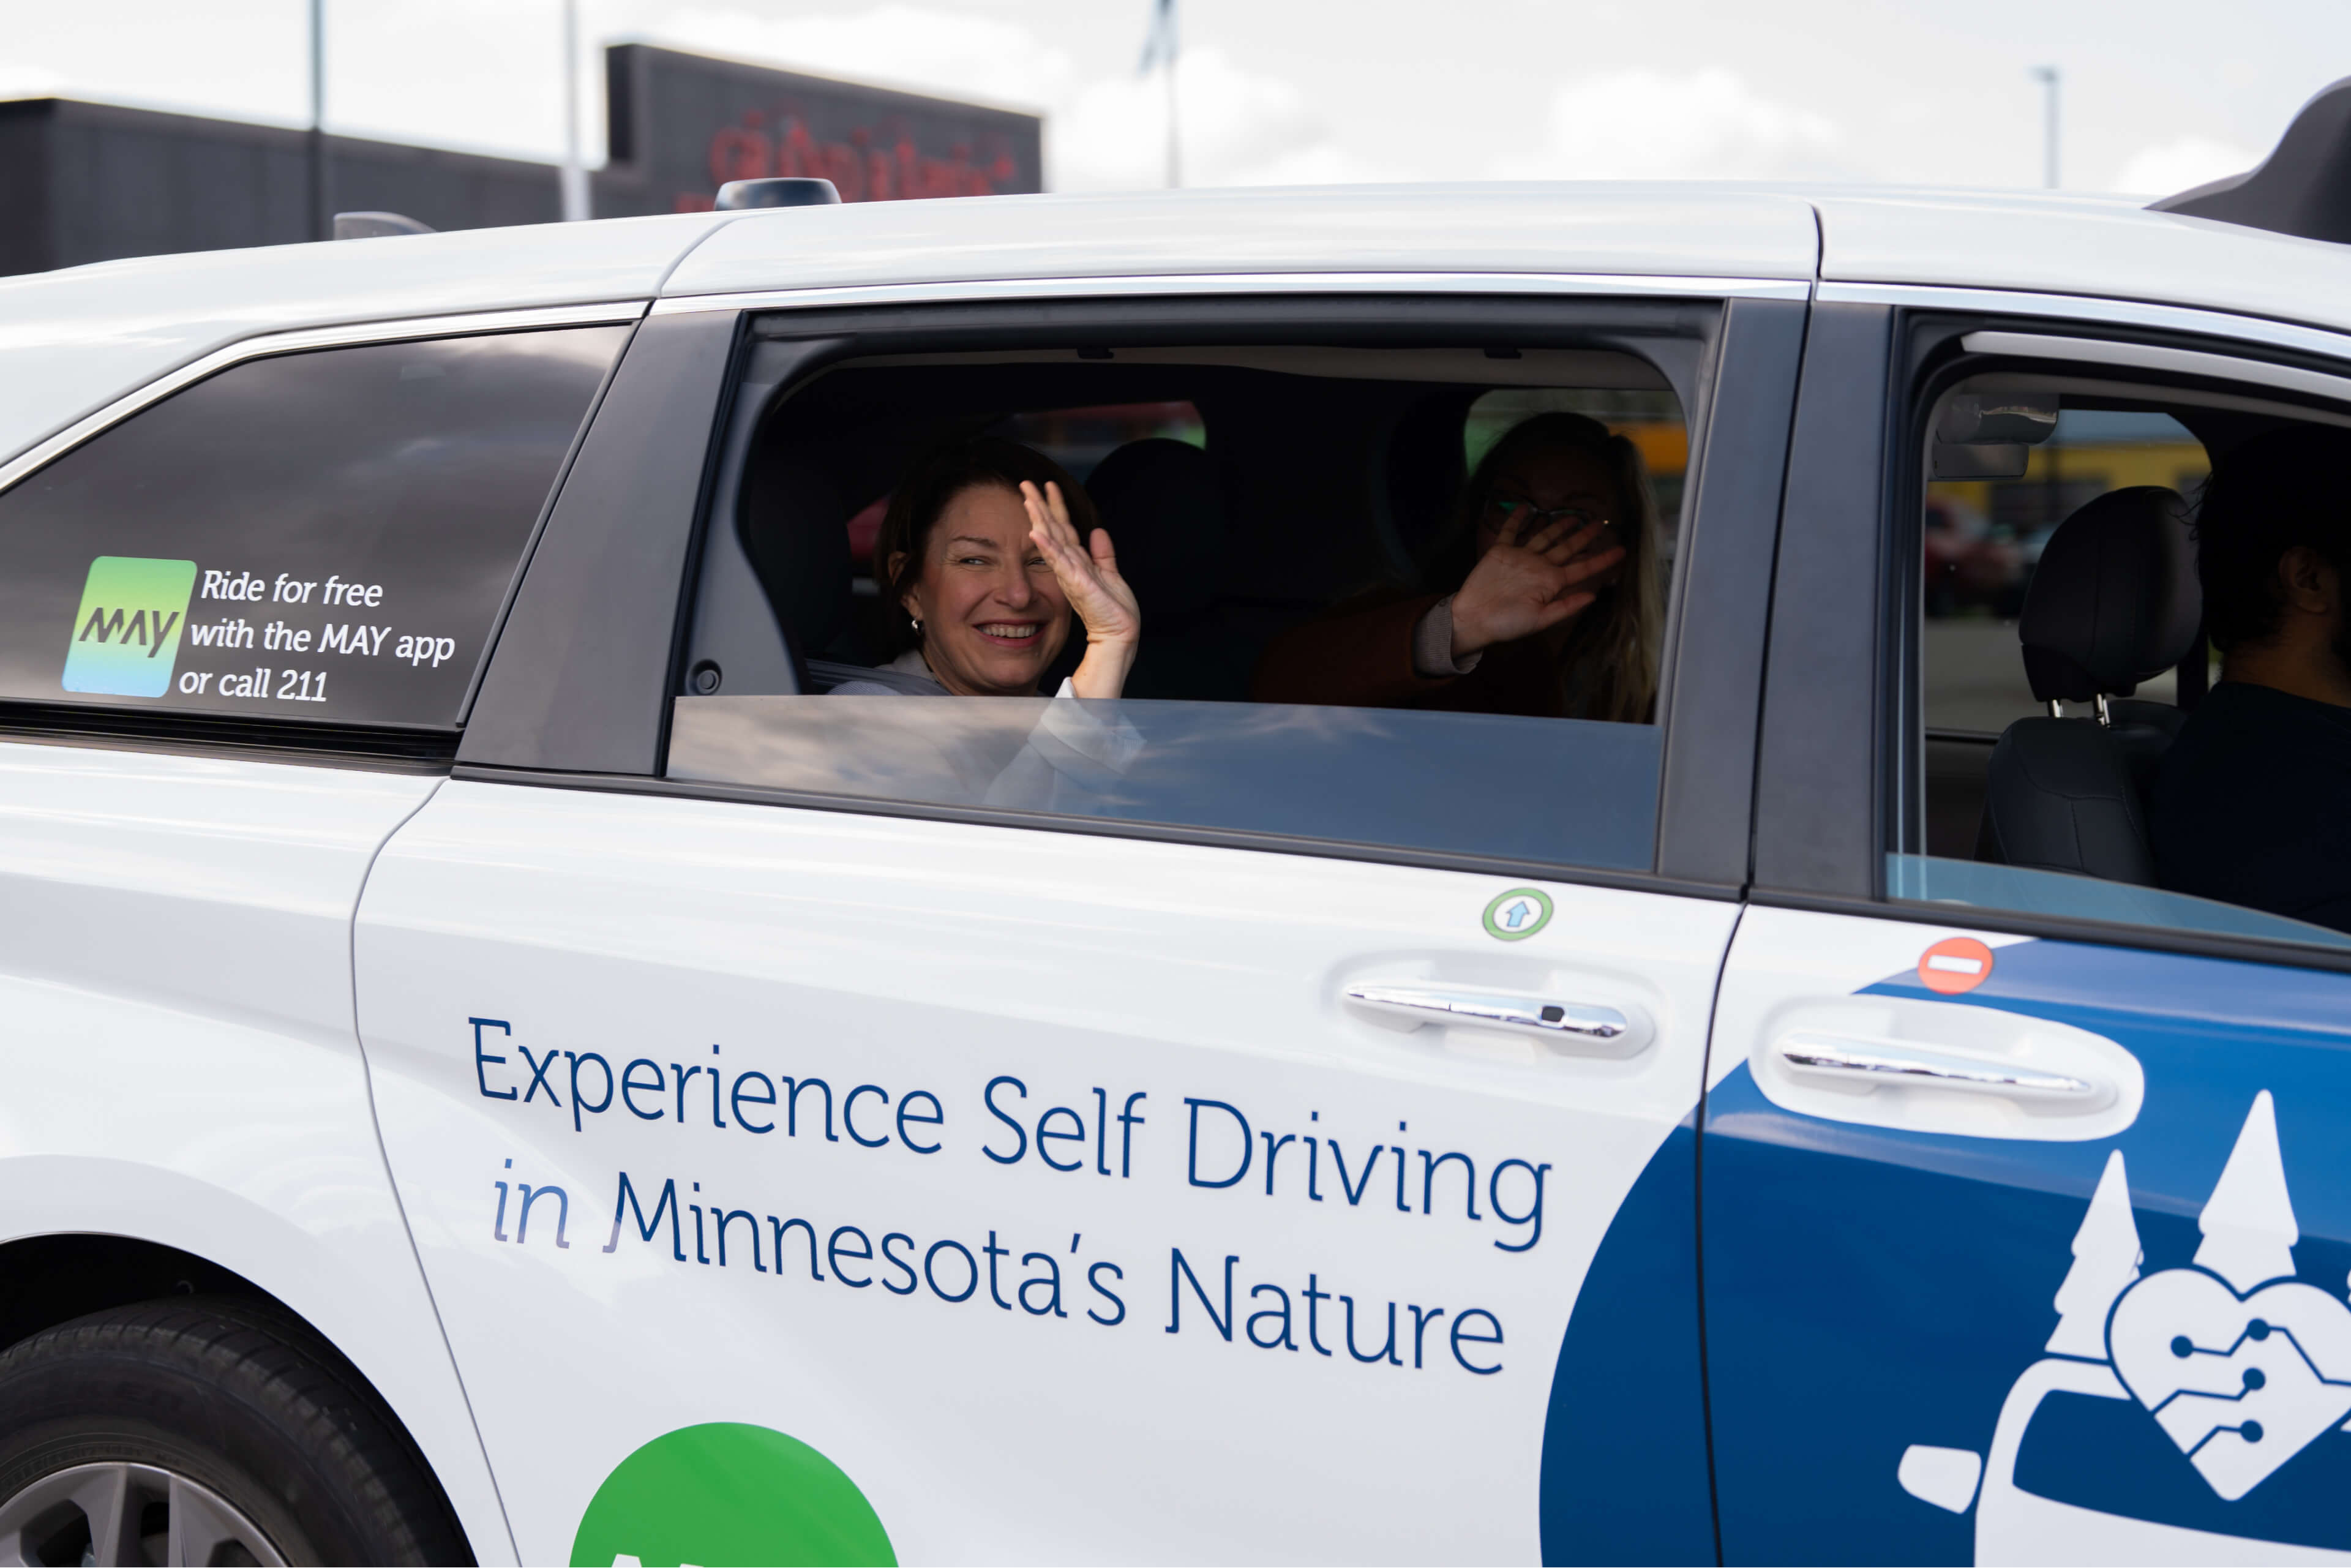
(1523, 586)
(1089, 576)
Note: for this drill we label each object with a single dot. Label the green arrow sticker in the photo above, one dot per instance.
(1519, 914)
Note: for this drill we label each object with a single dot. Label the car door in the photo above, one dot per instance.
(2024, 1199)
(869, 1178)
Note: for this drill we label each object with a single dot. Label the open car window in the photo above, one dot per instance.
(1293, 519)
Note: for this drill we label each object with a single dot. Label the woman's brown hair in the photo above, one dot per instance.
(937, 478)
(1612, 653)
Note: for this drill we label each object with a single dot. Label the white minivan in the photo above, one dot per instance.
(503, 1063)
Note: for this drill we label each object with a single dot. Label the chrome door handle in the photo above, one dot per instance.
(1862, 1062)
(1584, 1020)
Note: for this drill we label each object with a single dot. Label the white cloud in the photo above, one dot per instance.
(460, 73)
(925, 49)
(1238, 127)
(1708, 124)
(2182, 163)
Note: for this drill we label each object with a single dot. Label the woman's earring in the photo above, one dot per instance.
(918, 624)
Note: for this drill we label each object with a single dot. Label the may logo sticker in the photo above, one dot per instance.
(1519, 914)
(126, 635)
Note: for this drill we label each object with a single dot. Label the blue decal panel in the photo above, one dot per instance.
(1624, 1457)
(2125, 1340)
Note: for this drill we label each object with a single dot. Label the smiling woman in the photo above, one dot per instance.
(986, 549)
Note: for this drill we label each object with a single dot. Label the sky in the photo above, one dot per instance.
(2157, 94)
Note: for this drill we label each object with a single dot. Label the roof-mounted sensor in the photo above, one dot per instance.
(2303, 188)
(376, 226)
(739, 194)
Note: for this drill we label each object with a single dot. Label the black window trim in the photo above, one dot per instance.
(575, 749)
(1932, 360)
(398, 747)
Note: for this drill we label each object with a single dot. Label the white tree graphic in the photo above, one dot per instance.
(2248, 1223)
(2106, 1256)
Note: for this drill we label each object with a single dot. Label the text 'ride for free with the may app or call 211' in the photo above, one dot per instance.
(137, 614)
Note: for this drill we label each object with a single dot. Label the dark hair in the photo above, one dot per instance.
(937, 478)
(1621, 636)
(2283, 488)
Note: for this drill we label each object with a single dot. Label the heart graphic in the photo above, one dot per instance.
(2241, 1383)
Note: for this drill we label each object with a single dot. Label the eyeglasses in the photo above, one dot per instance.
(1531, 519)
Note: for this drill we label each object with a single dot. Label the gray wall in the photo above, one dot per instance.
(89, 181)
(86, 182)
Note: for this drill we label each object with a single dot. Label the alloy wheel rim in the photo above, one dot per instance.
(120, 1512)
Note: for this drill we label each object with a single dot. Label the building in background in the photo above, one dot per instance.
(87, 182)
(678, 126)
(92, 182)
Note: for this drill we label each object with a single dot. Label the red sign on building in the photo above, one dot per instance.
(681, 125)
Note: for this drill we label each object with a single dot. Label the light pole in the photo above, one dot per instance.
(321, 219)
(1159, 48)
(575, 174)
(2047, 77)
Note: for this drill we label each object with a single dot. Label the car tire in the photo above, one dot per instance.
(206, 1429)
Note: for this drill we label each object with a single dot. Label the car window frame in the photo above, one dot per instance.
(1859, 534)
(399, 747)
(1737, 413)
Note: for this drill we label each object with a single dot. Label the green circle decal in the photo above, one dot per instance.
(1517, 914)
(727, 1495)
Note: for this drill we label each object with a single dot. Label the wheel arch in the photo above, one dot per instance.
(81, 1235)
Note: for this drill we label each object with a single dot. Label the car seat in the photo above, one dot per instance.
(2115, 602)
(793, 530)
(1163, 506)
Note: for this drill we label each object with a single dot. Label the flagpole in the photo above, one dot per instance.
(1174, 142)
(315, 144)
(575, 172)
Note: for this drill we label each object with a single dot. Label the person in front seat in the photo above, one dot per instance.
(2253, 803)
(986, 548)
(1556, 600)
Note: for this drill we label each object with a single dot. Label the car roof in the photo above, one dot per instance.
(72, 341)
(2103, 248)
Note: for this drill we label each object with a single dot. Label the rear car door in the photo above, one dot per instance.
(855, 1172)
(2024, 1196)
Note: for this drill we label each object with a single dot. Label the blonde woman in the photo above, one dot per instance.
(1556, 608)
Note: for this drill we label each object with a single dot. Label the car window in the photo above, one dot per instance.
(1297, 525)
(1985, 534)
(319, 537)
(2100, 736)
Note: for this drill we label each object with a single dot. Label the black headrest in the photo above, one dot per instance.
(1160, 500)
(2114, 600)
(795, 530)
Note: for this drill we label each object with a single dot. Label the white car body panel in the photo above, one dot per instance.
(180, 1053)
(910, 952)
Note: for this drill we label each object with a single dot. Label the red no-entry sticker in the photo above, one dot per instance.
(1955, 963)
